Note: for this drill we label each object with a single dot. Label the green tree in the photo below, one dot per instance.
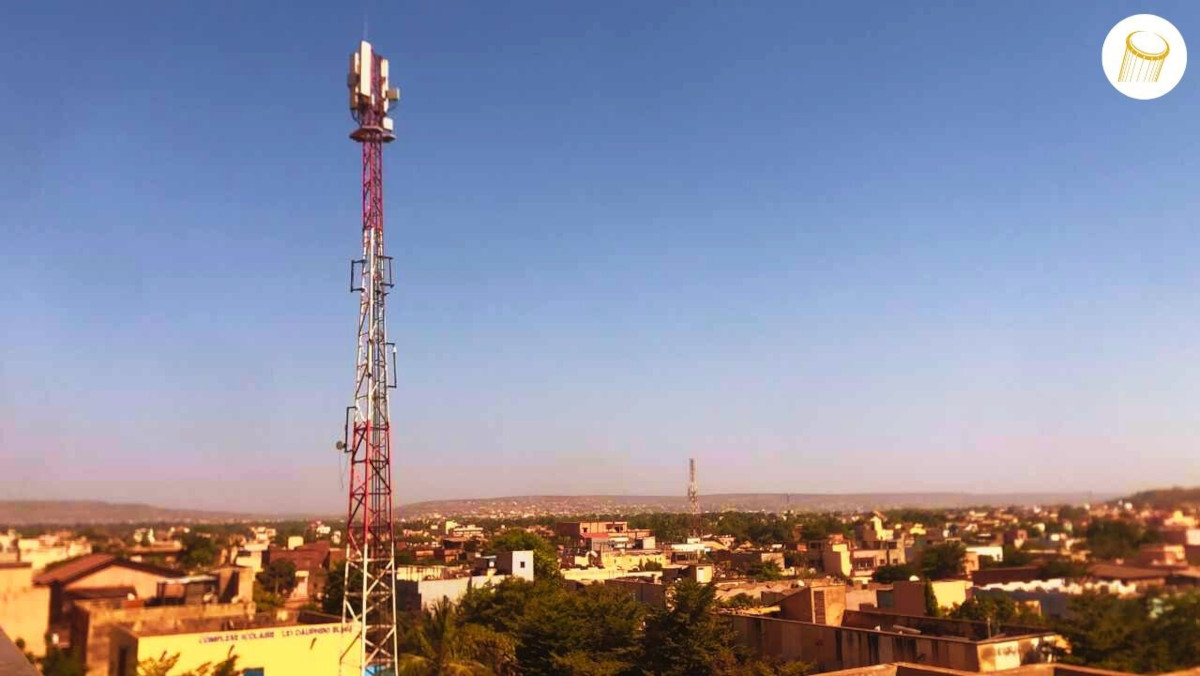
(943, 561)
(198, 551)
(594, 630)
(741, 600)
(545, 556)
(265, 600)
(437, 646)
(1012, 557)
(1151, 634)
(1105, 631)
(164, 665)
(59, 662)
(1062, 568)
(996, 609)
(279, 576)
(896, 572)
(686, 638)
(1117, 539)
(500, 607)
(932, 607)
(764, 571)
(666, 527)
(335, 583)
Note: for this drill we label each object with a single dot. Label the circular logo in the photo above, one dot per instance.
(1144, 56)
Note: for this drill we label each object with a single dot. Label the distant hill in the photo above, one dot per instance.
(15, 513)
(1166, 498)
(70, 512)
(563, 505)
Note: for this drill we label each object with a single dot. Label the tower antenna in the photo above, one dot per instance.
(369, 605)
(693, 498)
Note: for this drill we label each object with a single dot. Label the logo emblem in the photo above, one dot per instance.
(1144, 56)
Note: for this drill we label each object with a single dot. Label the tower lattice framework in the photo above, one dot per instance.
(693, 498)
(369, 605)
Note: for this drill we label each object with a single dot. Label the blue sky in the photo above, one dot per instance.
(859, 247)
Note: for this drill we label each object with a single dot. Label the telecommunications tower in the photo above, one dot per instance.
(693, 498)
(369, 608)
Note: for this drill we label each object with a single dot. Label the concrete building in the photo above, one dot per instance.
(414, 595)
(43, 550)
(701, 573)
(864, 562)
(911, 669)
(825, 604)
(1162, 554)
(1142, 578)
(94, 622)
(995, 553)
(648, 591)
(312, 561)
(263, 645)
(227, 594)
(605, 535)
(988, 576)
(744, 561)
(908, 598)
(867, 638)
(24, 607)
(100, 576)
(251, 555)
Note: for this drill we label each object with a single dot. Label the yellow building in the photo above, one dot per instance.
(24, 607)
(263, 648)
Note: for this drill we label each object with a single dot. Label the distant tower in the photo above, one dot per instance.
(369, 608)
(693, 498)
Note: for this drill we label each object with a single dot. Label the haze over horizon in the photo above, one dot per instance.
(791, 241)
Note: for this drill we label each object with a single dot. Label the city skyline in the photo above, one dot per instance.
(796, 243)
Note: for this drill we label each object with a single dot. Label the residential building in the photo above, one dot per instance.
(264, 645)
(824, 604)
(412, 595)
(867, 638)
(100, 576)
(24, 607)
(177, 603)
(605, 535)
(908, 598)
(43, 550)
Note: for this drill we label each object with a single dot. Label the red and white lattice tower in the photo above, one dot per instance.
(369, 609)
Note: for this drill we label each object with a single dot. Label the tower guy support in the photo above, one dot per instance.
(369, 608)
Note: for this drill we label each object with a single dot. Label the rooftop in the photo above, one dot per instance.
(909, 669)
(219, 624)
(85, 565)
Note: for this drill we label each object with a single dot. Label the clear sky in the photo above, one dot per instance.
(823, 247)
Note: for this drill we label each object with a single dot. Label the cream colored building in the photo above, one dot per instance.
(24, 608)
(45, 549)
(263, 647)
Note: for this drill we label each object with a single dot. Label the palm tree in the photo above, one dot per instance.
(439, 645)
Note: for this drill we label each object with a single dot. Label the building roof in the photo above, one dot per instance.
(909, 669)
(12, 661)
(74, 569)
(86, 565)
(1113, 571)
